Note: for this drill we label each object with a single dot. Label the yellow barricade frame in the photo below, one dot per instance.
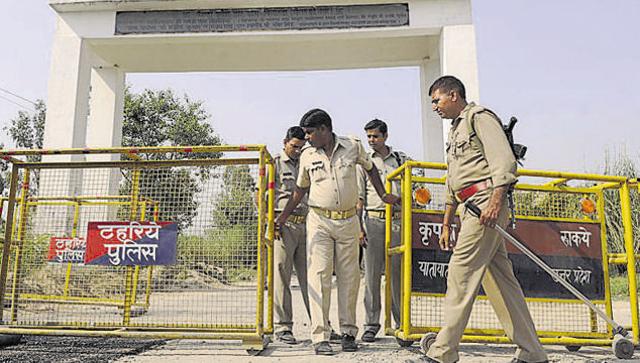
(408, 333)
(77, 203)
(252, 336)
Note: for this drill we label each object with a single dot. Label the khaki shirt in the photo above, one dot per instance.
(333, 182)
(385, 166)
(286, 170)
(472, 159)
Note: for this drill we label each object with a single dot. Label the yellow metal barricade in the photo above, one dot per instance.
(65, 286)
(542, 199)
(216, 288)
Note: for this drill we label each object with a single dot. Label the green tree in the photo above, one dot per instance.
(4, 176)
(230, 245)
(151, 118)
(27, 129)
(27, 132)
(235, 218)
(236, 204)
(3, 184)
(160, 118)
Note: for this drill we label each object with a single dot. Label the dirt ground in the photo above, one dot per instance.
(385, 349)
(188, 306)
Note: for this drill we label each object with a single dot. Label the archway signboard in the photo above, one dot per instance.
(262, 19)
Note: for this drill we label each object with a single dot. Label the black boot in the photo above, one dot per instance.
(349, 343)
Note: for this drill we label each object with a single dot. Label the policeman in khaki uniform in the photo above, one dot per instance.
(372, 236)
(328, 173)
(481, 169)
(290, 250)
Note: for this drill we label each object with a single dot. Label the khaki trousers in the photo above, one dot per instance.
(480, 256)
(374, 261)
(289, 252)
(331, 240)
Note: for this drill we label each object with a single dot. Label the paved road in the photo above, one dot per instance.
(73, 349)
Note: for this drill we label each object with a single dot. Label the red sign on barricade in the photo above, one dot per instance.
(131, 243)
(66, 249)
(572, 249)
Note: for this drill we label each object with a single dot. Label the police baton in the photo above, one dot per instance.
(622, 345)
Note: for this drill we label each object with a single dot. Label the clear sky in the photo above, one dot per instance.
(569, 70)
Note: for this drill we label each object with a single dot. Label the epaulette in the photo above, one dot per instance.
(305, 149)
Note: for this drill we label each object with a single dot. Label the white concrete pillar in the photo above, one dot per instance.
(67, 99)
(104, 124)
(65, 125)
(67, 107)
(458, 58)
(433, 144)
(104, 128)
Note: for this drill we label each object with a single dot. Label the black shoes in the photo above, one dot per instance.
(349, 343)
(286, 337)
(368, 336)
(323, 348)
(334, 337)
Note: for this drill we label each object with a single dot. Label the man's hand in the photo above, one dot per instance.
(363, 239)
(489, 215)
(374, 177)
(391, 199)
(280, 221)
(445, 242)
(276, 232)
(293, 202)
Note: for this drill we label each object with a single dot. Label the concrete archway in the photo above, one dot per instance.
(98, 41)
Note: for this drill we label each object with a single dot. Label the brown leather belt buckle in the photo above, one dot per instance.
(469, 191)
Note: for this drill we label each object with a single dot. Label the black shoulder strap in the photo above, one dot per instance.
(472, 130)
(518, 150)
(471, 122)
(396, 155)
